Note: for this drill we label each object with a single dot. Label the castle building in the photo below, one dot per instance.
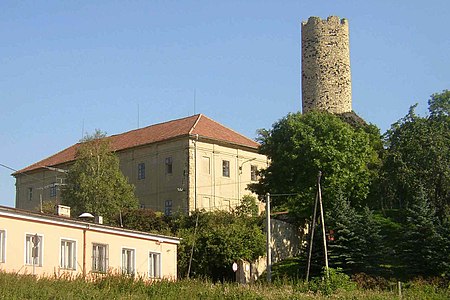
(326, 76)
(181, 165)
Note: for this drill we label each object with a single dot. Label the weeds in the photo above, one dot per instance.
(15, 287)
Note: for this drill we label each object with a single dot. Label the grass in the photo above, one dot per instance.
(13, 286)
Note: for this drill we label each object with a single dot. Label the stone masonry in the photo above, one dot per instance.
(326, 78)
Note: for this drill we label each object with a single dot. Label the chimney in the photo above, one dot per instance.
(63, 211)
(98, 219)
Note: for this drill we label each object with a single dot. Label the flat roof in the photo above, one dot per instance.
(74, 223)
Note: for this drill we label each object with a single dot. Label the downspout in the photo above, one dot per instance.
(238, 174)
(195, 172)
(84, 252)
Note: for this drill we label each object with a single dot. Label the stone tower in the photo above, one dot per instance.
(326, 79)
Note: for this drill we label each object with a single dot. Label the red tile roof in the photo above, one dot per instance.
(193, 125)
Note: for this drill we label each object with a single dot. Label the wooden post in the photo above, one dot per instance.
(269, 254)
(322, 220)
(313, 227)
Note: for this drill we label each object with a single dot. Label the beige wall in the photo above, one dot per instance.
(41, 182)
(158, 186)
(53, 231)
(209, 189)
(196, 181)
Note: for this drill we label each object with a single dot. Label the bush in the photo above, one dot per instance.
(337, 281)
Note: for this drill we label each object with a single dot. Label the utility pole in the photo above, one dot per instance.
(193, 244)
(269, 254)
(311, 240)
(322, 220)
(313, 226)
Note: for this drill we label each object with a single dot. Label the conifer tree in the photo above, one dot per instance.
(422, 247)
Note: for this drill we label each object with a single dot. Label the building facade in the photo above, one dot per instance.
(45, 245)
(181, 165)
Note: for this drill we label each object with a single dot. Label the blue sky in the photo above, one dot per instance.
(69, 66)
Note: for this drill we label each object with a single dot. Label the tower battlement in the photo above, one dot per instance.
(326, 76)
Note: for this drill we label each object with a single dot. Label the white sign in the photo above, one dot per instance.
(235, 267)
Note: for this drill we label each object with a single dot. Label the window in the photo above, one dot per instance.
(128, 261)
(53, 190)
(99, 258)
(168, 165)
(225, 168)
(141, 171)
(30, 194)
(253, 172)
(154, 265)
(206, 203)
(68, 255)
(206, 165)
(33, 249)
(168, 208)
(2, 246)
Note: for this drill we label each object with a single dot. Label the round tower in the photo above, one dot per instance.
(326, 78)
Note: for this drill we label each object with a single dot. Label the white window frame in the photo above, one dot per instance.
(206, 164)
(100, 264)
(28, 251)
(226, 168)
(68, 260)
(128, 269)
(154, 271)
(141, 171)
(3, 246)
(253, 172)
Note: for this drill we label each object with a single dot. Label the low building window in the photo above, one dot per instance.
(30, 194)
(99, 258)
(254, 173)
(33, 249)
(2, 246)
(68, 255)
(225, 168)
(128, 261)
(154, 265)
(169, 165)
(168, 208)
(53, 190)
(141, 171)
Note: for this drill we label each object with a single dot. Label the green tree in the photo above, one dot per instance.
(344, 242)
(423, 249)
(95, 183)
(218, 239)
(298, 146)
(418, 154)
(248, 206)
(144, 219)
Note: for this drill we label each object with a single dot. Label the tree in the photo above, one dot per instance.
(354, 243)
(345, 242)
(144, 219)
(423, 247)
(298, 146)
(218, 239)
(418, 154)
(248, 207)
(95, 183)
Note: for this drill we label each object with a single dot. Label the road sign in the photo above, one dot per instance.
(35, 239)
